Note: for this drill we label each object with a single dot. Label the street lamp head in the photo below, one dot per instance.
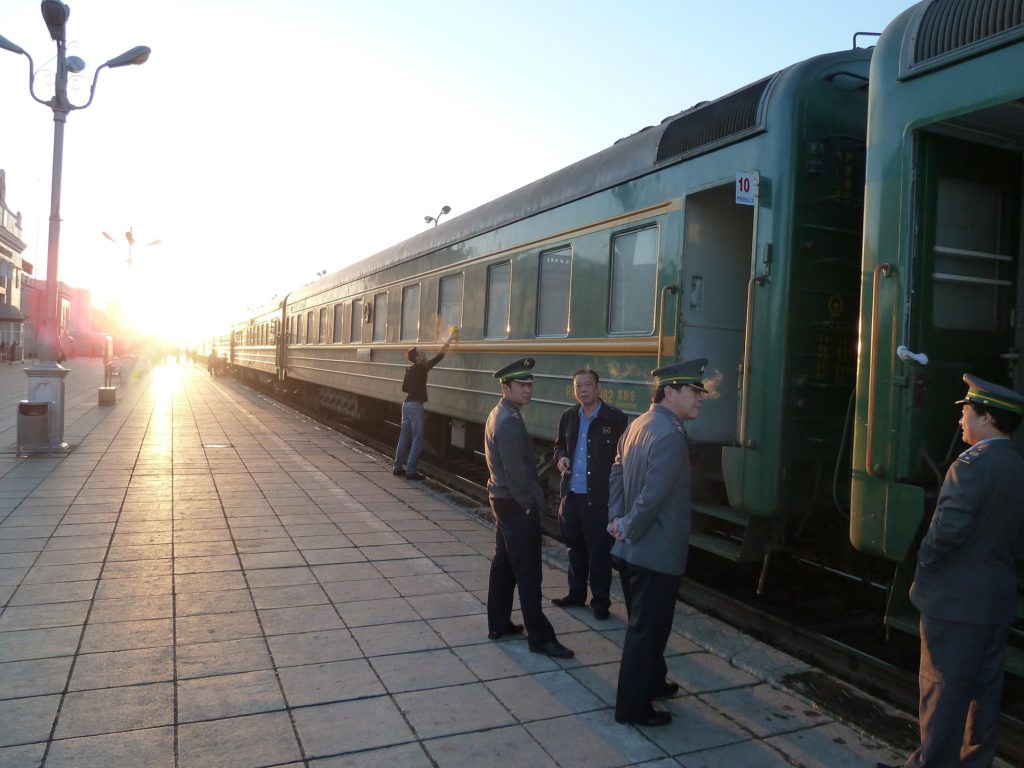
(55, 14)
(446, 209)
(428, 219)
(106, 235)
(75, 65)
(7, 45)
(137, 55)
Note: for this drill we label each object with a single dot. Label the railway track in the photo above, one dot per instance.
(845, 670)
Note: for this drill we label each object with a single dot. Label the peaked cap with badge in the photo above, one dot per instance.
(991, 395)
(519, 370)
(688, 372)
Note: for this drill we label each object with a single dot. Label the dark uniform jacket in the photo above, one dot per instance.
(651, 490)
(602, 444)
(511, 464)
(965, 570)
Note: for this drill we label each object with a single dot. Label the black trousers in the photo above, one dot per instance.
(583, 527)
(961, 692)
(651, 605)
(516, 563)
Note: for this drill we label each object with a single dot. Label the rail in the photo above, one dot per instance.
(661, 322)
(875, 470)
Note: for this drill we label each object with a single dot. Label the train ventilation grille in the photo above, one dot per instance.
(949, 26)
(709, 124)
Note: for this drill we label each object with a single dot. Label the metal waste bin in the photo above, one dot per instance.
(33, 426)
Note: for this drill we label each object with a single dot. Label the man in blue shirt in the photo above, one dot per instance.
(584, 452)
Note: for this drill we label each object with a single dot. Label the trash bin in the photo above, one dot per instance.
(33, 426)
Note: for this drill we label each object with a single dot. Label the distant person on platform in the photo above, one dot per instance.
(650, 508)
(12, 353)
(212, 364)
(3, 350)
(588, 437)
(965, 585)
(517, 501)
(414, 417)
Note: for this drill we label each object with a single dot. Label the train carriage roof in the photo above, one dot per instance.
(698, 130)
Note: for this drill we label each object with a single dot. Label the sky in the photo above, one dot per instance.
(265, 141)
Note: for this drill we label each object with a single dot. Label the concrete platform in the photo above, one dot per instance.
(211, 580)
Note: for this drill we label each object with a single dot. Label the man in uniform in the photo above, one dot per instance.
(517, 501)
(649, 510)
(414, 384)
(584, 452)
(965, 585)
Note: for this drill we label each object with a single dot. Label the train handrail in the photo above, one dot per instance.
(661, 322)
(748, 332)
(874, 470)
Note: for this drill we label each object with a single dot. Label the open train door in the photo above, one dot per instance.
(717, 238)
(966, 277)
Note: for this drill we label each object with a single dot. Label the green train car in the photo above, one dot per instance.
(942, 269)
(730, 231)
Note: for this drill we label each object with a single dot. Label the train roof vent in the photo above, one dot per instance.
(711, 123)
(949, 30)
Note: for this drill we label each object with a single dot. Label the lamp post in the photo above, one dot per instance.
(46, 376)
(130, 237)
(445, 209)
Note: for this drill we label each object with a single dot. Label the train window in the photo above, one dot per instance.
(410, 330)
(553, 293)
(499, 286)
(323, 326)
(339, 314)
(969, 270)
(380, 317)
(299, 337)
(356, 329)
(310, 331)
(449, 304)
(634, 276)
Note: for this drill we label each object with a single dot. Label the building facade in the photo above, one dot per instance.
(13, 271)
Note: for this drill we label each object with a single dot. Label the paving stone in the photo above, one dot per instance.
(406, 756)
(239, 742)
(26, 720)
(833, 746)
(333, 729)
(134, 667)
(38, 643)
(230, 695)
(544, 696)
(224, 601)
(515, 746)
(702, 672)
(26, 756)
(383, 639)
(222, 657)
(366, 612)
(421, 670)
(279, 577)
(453, 709)
(126, 635)
(330, 682)
(219, 626)
(34, 677)
(150, 747)
(280, 621)
(108, 710)
(132, 609)
(362, 589)
(752, 753)
(313, 647)
(597, 741)
(42, 616)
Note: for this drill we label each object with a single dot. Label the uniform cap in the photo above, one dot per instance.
(992, 395)
(688, 372)
(520, 370)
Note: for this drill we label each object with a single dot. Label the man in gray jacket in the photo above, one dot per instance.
(649, 511)
(517, 501)
(965, 585)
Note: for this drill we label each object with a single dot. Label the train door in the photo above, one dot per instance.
(717, 235)
(966, 280)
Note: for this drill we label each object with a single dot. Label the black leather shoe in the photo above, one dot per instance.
(397, 472)
(552, 648)
(566, 602)
(885, 765)
(415, 476)
(666, 691)
(511, 629)
(656, 718)
(600, 612)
